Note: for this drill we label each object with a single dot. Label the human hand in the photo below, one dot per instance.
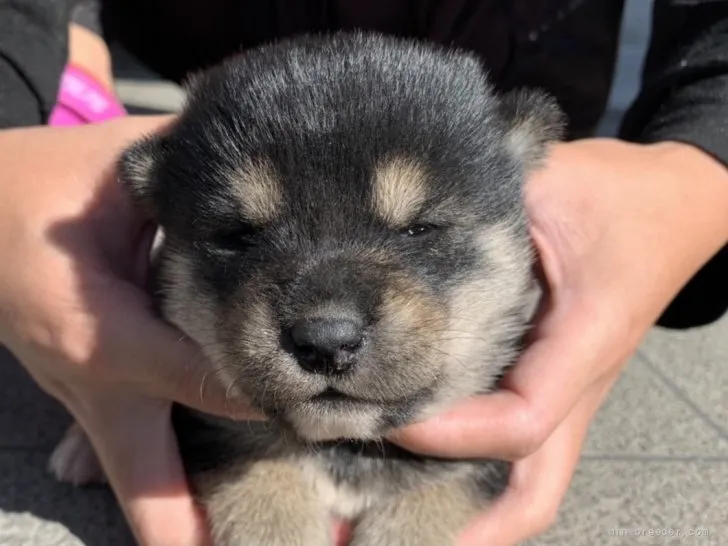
(89, 52)
(619, 229)
(73, 251)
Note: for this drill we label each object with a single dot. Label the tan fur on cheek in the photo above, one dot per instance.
(257, 190)
(264, 372)
(406, 308)
(480, 320)
(400, 190)
(410, 320)
(253, 327)
(186, 306)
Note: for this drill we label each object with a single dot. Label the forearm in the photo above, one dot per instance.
(33, 52)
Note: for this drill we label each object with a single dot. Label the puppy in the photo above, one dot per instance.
(345, 237)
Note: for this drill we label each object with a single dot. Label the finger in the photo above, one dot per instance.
(538, 483)
(164, 364)
(341, 532)
(566, 356)
(137, 448)
(129, 128)
(111, 137)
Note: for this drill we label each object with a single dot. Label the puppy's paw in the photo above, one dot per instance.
(74, 459)
(431, 516)
(266, 503)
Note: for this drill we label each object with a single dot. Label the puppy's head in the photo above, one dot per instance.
(344, 232)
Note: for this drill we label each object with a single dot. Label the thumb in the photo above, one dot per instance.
(137, 449)
(164, 364)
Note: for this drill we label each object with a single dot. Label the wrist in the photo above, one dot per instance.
(86, 91)
(82, 100)
(704, 180)
(699, 168)
(89, 52)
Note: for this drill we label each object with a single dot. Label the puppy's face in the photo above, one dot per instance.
(344, 234)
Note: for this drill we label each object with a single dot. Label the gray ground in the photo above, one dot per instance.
(656, 460)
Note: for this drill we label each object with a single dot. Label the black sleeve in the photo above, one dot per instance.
(33, 52)
(684, 98)
(684, 95)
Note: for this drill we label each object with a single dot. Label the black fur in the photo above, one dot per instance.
(323, 114)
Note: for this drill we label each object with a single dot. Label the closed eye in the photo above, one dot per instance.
(417, 230)
(234, 239)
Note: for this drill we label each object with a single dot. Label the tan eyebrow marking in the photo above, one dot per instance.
(257, 190)
(400, 190)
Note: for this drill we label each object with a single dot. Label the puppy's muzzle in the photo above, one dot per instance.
(328, 345)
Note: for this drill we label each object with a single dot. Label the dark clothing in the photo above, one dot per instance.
(33, 49)
(567, 47)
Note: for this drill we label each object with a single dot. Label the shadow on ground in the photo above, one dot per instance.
(36, 510)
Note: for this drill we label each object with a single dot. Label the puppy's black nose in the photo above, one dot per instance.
(327, 345)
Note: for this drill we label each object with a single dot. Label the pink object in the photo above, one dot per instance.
(82, 100)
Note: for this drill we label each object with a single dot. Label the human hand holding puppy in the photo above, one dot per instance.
(73, 310)
(81, 324)
(619, 229)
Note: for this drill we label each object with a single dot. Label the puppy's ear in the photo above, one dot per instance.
(534, 120)
(138, 168)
